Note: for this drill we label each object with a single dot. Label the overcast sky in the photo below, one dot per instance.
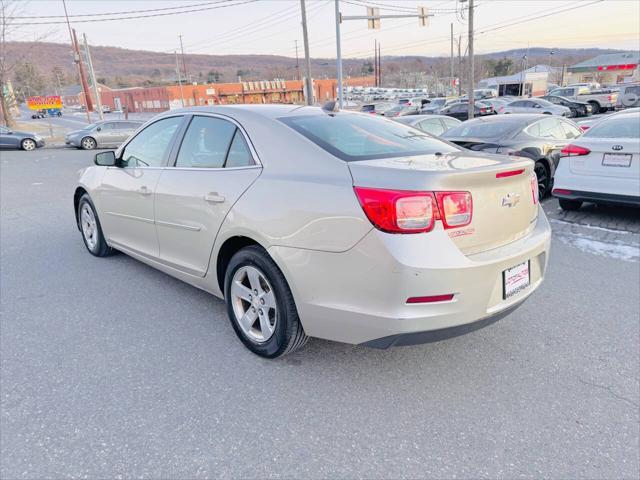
(272, 26)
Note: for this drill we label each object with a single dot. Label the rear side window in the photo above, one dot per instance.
(353, 137)
(368, 108)
(570, 131)
(239, 154)
(482, 129)
(627, 126)
(433, 126)
(550, 128)
(206, 143)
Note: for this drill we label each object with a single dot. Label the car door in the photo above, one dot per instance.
(122, 131)
(212, 168)
(126, 194)
(5, 138)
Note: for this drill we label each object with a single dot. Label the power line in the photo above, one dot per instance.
(217, 6)
(127, 12)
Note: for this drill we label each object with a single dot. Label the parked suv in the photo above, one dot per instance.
(628, 96)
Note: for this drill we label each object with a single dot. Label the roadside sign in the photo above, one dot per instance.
(44, 102)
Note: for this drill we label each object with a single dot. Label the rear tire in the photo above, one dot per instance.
(544, 178)
(569, 205)
(89, 225)
(595, 107)
(88, 143)
(260, 305)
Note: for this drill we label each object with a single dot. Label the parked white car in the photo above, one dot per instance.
(603, 165)
(536, 105)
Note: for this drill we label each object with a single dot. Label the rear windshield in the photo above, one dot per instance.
(621, 127)
(368, 108)
(353, 137)
(481, 129)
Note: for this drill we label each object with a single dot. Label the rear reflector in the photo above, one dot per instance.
(535, 192)
(510, 173)
(561, 191)
(572, 150)
(431, 299)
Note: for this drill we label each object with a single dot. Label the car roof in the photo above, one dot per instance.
(272, 111)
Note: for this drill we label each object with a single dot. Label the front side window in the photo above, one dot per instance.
(150, 147)
(353, 137)
(3, 130)
(206, 143)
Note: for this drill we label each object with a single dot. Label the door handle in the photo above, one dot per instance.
(143, 190)
(213, 197)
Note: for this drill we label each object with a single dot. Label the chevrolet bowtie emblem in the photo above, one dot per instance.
(511, 200)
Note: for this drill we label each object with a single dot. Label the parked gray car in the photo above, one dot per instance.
(435, 125)
(20, 140)
(106, 134)
(536, 105)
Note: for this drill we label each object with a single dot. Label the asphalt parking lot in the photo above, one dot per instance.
(111, 369)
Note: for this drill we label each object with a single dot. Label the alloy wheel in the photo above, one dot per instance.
(89, 226)
(28, 144)
(88, 143)
(254, 303)
(543, 179)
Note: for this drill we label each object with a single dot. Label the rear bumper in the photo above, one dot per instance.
(597, 197)
(360, 296)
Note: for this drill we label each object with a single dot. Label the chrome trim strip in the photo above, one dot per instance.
(131, 217)
(191, 228)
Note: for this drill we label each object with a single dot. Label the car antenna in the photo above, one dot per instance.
(331, 107)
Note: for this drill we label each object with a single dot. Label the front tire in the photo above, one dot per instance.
(28, 144)
(569, 205)
(88, 143)
(260, 305)
(89, 225)
(595, 107)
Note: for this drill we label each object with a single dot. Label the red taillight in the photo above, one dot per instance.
(431, 299)
(455, 208)
(535, 192)
(561, 191)
(574, 150)
(398, 211)
(510, 173)
(405, 211)
(584, 128)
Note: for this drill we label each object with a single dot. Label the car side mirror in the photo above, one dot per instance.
(537, 106)
(105, 159)
(98, 129)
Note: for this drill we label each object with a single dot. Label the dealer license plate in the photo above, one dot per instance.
(516, 279)
(617, 160)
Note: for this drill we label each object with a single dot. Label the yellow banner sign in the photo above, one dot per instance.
(44, 102)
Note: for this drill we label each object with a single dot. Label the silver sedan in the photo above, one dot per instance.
(104, 134)
(321, 223)
(536, 105)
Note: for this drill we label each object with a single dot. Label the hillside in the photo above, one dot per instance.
(119, 67)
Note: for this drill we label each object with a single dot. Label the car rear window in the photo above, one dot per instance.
(627, 126)
(353, 137)
(481, 129)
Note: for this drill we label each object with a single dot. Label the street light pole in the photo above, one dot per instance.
(92, 75)
(471, 63)
(179, 79)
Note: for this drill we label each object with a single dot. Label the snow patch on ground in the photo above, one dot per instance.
(616, 249)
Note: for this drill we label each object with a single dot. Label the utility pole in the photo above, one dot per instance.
(379, 66)
(459, 65)
(451, 69)
(180, 79)
(471, 62)
(83, 77)
(297, 63)
(78, 62)
(339, 53)
(92, 75)
(375, 63)
(184, 64)
(305, 38)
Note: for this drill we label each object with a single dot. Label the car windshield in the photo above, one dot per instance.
(438, 101)
(353, 137)
(90, 126)
(482, 129)
(616, 127)
(545, 103)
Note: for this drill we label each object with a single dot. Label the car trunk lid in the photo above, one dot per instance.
(500, 186)
(608, 157)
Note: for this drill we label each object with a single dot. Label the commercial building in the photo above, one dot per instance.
(532, 81)
(609, 69)
(159, 99)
